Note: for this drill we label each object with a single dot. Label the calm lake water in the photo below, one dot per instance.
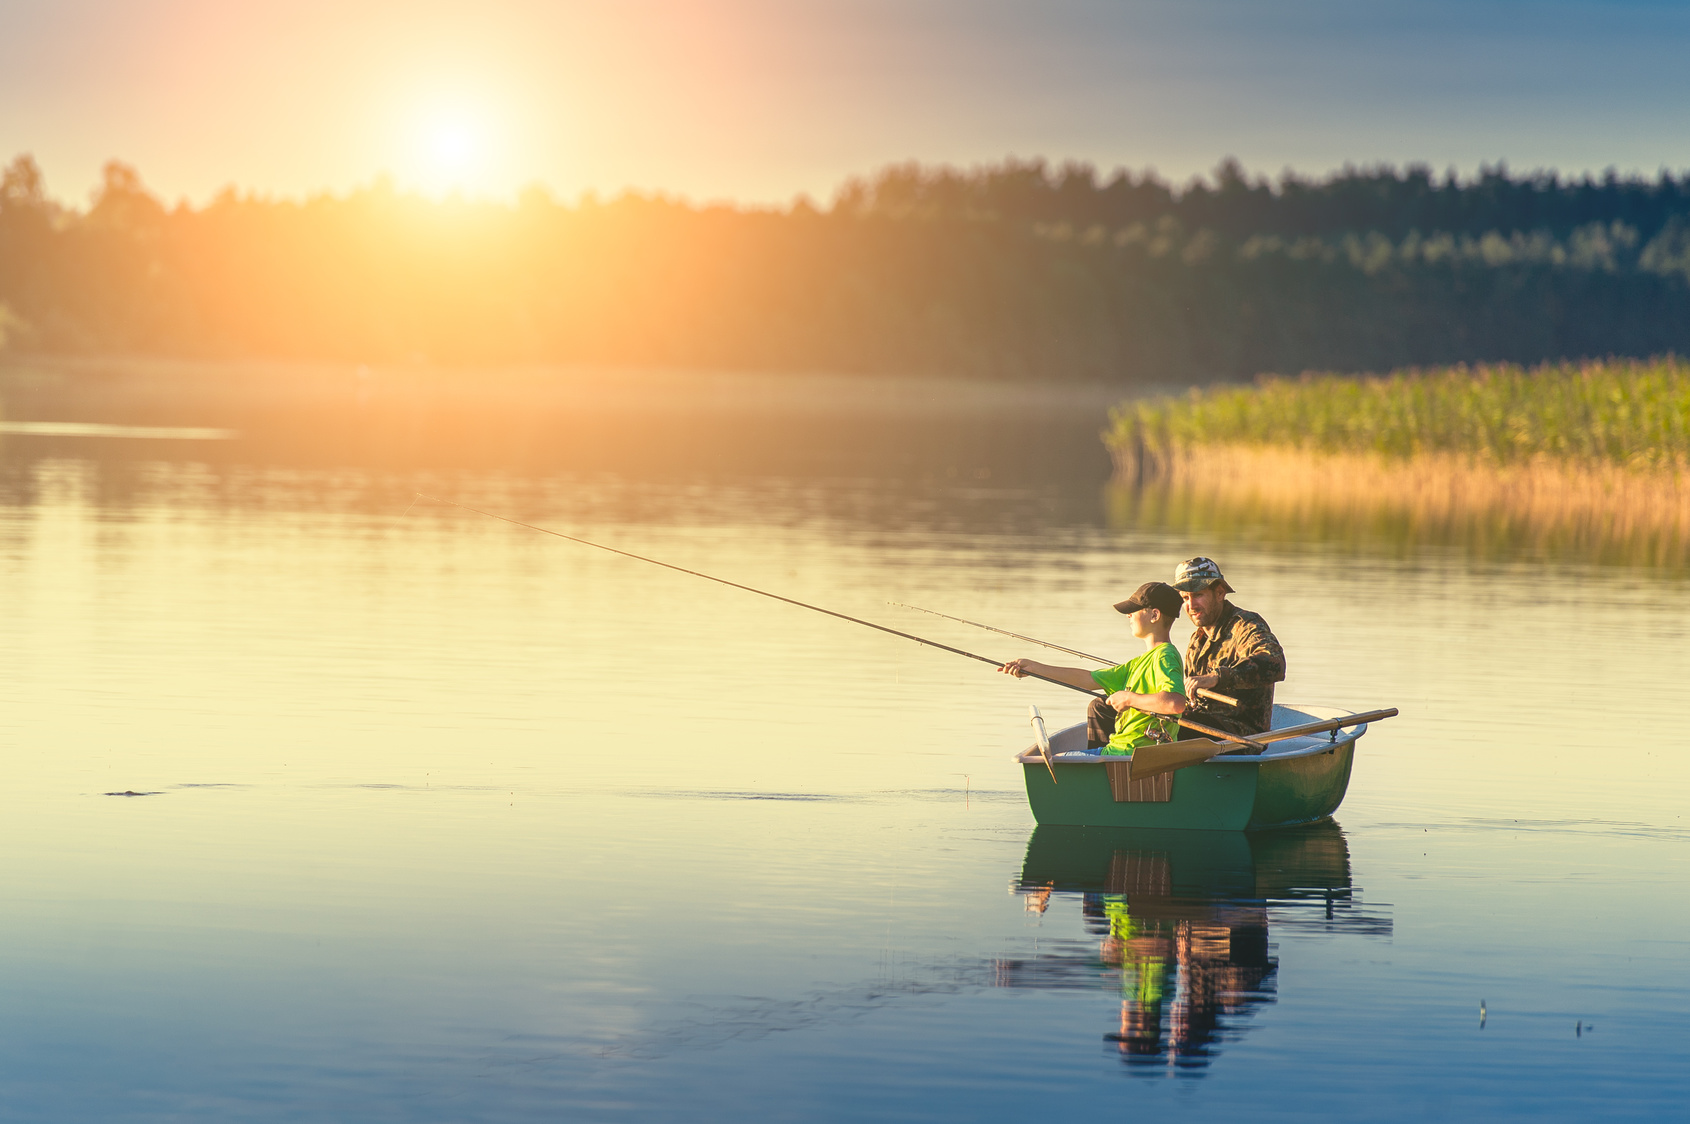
(445, 820)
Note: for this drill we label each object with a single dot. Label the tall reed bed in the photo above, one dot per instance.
(1628, 414)
(1592, 456)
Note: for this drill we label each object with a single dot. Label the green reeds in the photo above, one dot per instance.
(1632, 414)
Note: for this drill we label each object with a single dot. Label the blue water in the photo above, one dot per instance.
(449, 821)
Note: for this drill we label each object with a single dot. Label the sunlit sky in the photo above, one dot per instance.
(759, 100)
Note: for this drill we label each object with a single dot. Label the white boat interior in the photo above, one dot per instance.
(1068, 745)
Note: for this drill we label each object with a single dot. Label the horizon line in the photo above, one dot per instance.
(1054, 167)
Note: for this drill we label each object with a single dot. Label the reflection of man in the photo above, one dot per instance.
(1189, 971)
(1232, 652)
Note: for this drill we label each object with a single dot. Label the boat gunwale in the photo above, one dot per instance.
(1316, 744)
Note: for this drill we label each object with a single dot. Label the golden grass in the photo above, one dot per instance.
(1589, 512)
(1592, 455)
(1631, 412)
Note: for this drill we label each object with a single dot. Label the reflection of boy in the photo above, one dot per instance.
(1143, 957)
(1188, 971)
(1146, 694)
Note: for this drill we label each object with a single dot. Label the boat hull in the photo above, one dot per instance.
(1298, 784)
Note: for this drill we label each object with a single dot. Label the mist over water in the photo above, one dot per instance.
(446, 820)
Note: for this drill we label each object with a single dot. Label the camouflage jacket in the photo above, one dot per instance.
(1241, 649)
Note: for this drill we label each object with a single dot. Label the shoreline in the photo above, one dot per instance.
(579, 386)
(1597, 501)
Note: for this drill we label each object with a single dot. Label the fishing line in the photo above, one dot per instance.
(1204, 691)
(1016, 635)
(750, 589)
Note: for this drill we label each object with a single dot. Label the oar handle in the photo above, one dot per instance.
(1299, 731)
(1221, 735)
(1332, 724)
(1217, 696)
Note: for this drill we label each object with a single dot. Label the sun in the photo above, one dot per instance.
(451, 150)
(453, 144)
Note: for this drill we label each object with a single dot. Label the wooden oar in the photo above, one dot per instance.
(1154, 760)
(1157, 758)
(1223, 735)
(1210, 751)
(1321, 727)
(1044, 741)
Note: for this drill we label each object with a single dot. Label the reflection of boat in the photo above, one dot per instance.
(1298, 780)
(1178, 922)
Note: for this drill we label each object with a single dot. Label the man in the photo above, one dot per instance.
(1146, 694)
(1232, 652)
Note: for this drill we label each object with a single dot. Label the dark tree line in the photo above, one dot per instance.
(1382, 200)
(1017, 271)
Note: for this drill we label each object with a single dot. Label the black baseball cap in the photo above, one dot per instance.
(1153, 595)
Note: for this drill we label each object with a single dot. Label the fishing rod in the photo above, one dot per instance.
(1015, 635)
(1204, 691)
(1209, 731)
(752, 589)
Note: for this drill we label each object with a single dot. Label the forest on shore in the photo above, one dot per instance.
(1016, 270)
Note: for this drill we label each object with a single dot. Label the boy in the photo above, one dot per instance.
(1146, 694)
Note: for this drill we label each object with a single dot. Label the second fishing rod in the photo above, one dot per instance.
(1198, 727)
(1104, 660)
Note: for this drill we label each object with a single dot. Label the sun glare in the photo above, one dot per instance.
(452, 145)
(452, 151)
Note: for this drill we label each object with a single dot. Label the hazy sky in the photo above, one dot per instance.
(758, 100)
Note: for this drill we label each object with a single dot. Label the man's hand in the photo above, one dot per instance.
(1021, 668)
(1121, 700)
(1194, 683)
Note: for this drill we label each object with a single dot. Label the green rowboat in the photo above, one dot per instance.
(1297, 780)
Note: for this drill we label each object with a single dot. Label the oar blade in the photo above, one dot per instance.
(1155, 759)
(1038, 721)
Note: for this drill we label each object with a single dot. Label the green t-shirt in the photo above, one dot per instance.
(1157, 670)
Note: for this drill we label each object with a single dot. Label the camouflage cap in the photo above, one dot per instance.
(1198, 573)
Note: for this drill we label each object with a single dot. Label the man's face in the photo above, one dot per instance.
(1204, 606)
